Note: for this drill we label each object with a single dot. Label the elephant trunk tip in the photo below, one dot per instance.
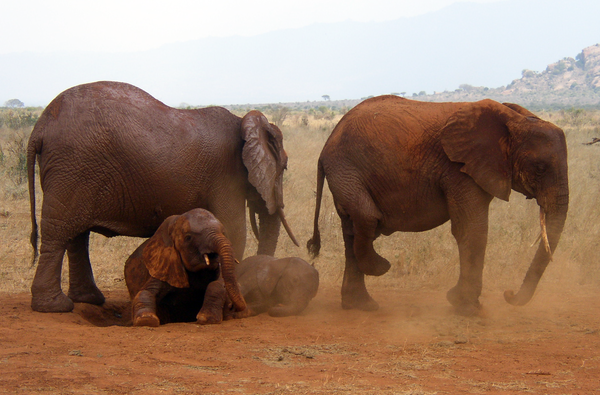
(518, 299)
(240, 305)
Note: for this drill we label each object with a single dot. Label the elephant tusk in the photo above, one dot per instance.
(544, 234)
(207, 260)
(536, 240)
(287, 227)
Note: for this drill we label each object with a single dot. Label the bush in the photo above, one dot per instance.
(17, 119)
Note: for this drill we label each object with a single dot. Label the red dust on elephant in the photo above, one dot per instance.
(394, 164)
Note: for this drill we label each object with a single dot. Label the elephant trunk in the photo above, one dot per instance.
(552, 225)
(225, 251)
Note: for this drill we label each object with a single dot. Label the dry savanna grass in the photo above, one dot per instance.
(419, 260)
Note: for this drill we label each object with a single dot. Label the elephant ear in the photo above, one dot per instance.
(264, 157)
(162, 258)
(477, 135)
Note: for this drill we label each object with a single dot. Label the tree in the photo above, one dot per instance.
(326, 97)
(580, 60)
(279, 114)
(14, 103)
(466, 87)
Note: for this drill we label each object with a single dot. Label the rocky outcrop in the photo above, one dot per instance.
(570, 82)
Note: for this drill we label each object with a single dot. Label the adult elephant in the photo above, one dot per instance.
(116, 161)
(394, 164)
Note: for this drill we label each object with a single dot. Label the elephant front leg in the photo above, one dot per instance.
(268, 229)
(354, 290)
(82, 287)
(143, 304)
(215, 302)
(471, 237)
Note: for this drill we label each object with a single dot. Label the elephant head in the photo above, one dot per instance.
(504, 147)
(266, 160)
(193, 241)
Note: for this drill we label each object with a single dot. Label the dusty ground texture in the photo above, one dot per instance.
(413, 345)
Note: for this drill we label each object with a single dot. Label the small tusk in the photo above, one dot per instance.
(536, 240)
(544, 234)
(207, 260)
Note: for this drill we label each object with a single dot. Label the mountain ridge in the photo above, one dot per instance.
(569, 82)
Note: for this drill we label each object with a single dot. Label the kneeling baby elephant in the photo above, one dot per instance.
(281, 287)
(184, 273)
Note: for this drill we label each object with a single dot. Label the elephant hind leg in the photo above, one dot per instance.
(364, 230)
(82, 287)
(354, 290)
(46, 293)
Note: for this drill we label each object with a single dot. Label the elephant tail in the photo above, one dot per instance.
(33, 149)
(314, 244)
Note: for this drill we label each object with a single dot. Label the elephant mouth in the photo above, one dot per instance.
(212, 260)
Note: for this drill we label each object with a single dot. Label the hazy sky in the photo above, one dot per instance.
(130, 25)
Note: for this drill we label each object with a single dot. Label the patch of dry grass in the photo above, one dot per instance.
(428, 259)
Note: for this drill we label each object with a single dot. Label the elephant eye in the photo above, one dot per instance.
(540, 168)
(187, 238)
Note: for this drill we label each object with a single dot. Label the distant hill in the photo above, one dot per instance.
(570, 82)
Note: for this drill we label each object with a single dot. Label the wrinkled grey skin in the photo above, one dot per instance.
(116, 161)
(281, 287)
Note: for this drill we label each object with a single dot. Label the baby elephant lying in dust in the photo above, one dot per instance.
(283, 287)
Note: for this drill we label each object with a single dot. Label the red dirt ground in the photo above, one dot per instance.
(413, 345)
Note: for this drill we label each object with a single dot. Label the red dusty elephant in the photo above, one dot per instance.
(184, 273)
(394, 164)
(116, 161)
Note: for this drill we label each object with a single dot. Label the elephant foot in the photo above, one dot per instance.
(59, 303)
(358, 301)
(88, 295)
(146, 318)
(209, 317)
(467, 307)
(374, 265)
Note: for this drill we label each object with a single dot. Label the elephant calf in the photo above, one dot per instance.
(183, 273)
(281, 287)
